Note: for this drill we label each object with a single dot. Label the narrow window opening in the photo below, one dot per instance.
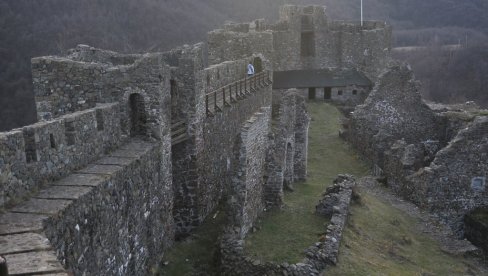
(137, 115)
(30, 146)
(100, 123)
(52, 141)
(70, 133)
(307, 48)
(339, 92)
(354, 92)
(258, 64)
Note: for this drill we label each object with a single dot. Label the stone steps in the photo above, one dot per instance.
(22, 239)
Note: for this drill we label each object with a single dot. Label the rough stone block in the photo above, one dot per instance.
(63, 192)
(81, 180)
(101, 169)
(42, 206)
(11, 223)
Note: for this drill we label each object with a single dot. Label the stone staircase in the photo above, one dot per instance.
(23, 241)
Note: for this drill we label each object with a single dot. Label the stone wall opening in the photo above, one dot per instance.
(52, 141)
(99, 115)
(258, 65)
(31, 153)
(70, 132)
(137, 115)
(327, 93)
(311, 93)
(307, 46)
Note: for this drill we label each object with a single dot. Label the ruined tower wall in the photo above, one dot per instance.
(305, 39)
(39, 153)
(63, 86)
(394, 110)
(455, 182)
(246, 194)
(286, 157)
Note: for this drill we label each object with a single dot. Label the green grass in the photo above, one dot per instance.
(196, 253)
(379, 239)
(284, 234)
(382, 240)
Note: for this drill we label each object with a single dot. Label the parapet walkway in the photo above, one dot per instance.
(22, 239)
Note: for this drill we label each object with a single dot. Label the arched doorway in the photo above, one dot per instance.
(258, 65)
(138, 117)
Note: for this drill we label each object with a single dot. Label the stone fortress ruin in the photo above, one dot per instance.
(134, 151)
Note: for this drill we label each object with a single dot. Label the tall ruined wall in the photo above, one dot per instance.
(63, 85)
(246, 194)
(287, 155)
(455, 182)
(220, 136)
(394, 110)
(36, 154)
(205, 162)
(417, 150)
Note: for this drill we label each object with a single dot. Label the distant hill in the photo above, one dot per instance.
(33, 28)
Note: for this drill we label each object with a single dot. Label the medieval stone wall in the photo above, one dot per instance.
(417, 149)
(305, 39)
(112, 217)
(204, 164)
(48, 150)
(63, 86)
(287, 154)
(246, 195)
(237, 43)
(394, 110)
(455, 182)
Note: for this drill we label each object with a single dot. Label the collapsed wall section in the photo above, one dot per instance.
(394, 110)
(39, 153)
(417, 150)
(455, 182)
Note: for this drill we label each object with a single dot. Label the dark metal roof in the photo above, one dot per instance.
(318, 78)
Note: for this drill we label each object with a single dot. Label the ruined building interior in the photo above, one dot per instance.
(134, 151)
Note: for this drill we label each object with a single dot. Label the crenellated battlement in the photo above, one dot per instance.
(48, 150)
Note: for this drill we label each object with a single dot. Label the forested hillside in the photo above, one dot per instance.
(48, 27)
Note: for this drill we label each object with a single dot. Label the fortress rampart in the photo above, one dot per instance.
(48, 150)
(133, 151)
